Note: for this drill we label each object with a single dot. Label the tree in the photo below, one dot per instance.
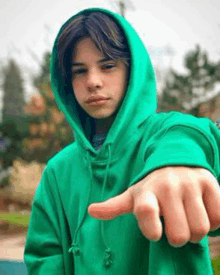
(13, 126)
(13, 100)
(123, 5)
(44, 75)
(49, 131)
(181, 90)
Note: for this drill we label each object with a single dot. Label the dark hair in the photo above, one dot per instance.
(106, 34)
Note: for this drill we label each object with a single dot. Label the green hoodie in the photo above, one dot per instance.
(62, 237)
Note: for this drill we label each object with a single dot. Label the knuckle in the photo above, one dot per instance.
(179, 240)
(135, 189)
(154, 237)
(166, 186)
(207, 185)
(210, 184)
(214, 219)
(168, 189)
(214, 227)
(198, 234)
(144, 209)
(215, 224)
(188, 188)
(196, 239)
(202, 231)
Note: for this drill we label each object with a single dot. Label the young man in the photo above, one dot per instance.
(156, 173)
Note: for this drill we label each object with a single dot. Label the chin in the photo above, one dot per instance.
(101, 116)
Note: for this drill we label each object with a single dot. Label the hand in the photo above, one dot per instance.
(188, 198)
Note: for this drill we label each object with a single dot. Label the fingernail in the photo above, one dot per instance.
(176, 245)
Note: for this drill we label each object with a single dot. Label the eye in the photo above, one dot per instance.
(108, 66)
(79, 71)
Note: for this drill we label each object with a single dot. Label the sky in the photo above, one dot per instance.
(28, 28)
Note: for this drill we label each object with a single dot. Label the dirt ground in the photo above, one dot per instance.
(214, 247)
(12, 241)
(12, 247)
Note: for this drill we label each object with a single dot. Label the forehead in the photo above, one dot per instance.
(85, 49)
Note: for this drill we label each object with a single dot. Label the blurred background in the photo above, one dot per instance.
(183, 40)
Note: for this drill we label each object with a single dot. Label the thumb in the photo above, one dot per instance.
(110, 209)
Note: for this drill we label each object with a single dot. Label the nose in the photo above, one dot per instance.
(94, 80)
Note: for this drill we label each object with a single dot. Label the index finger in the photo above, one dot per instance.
(147, 212)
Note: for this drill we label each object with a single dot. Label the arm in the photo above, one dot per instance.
(43, 250)
(187, 197)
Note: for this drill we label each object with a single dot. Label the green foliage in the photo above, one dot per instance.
(51, 142)
(14, 129)
(44, 75)
(4, 181)
(13, 99)
(18, 219)
(13, 126)
(200, 78)
(216, 266)
(201, 71)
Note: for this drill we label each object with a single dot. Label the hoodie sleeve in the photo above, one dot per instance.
(185, 145)
(186, 141)
(43, 248)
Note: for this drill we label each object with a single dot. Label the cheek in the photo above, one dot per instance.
(75, 85)
(78, 90)
(123, 85)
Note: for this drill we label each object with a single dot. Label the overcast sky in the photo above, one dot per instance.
(31, 26)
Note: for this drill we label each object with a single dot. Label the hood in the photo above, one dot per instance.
(138, 104)
(140, 97)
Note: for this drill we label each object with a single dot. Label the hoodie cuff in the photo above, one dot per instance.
(181, 146)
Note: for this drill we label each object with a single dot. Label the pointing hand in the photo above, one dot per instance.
(188, 198)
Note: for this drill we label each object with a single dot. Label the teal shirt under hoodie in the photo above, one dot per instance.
(62, 237)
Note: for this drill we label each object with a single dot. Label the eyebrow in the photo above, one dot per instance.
(82, 64)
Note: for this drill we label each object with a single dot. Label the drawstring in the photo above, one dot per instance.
(74, 249)
(108, 257)
(74, 246)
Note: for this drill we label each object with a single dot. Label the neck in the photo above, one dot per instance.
(103, 125)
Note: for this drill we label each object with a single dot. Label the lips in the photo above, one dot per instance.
(96, 99)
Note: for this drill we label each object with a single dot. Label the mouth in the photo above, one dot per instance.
(97, 100)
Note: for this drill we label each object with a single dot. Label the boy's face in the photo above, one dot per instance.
(99, 84)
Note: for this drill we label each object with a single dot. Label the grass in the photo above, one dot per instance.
(14, 218)
(216, 266)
